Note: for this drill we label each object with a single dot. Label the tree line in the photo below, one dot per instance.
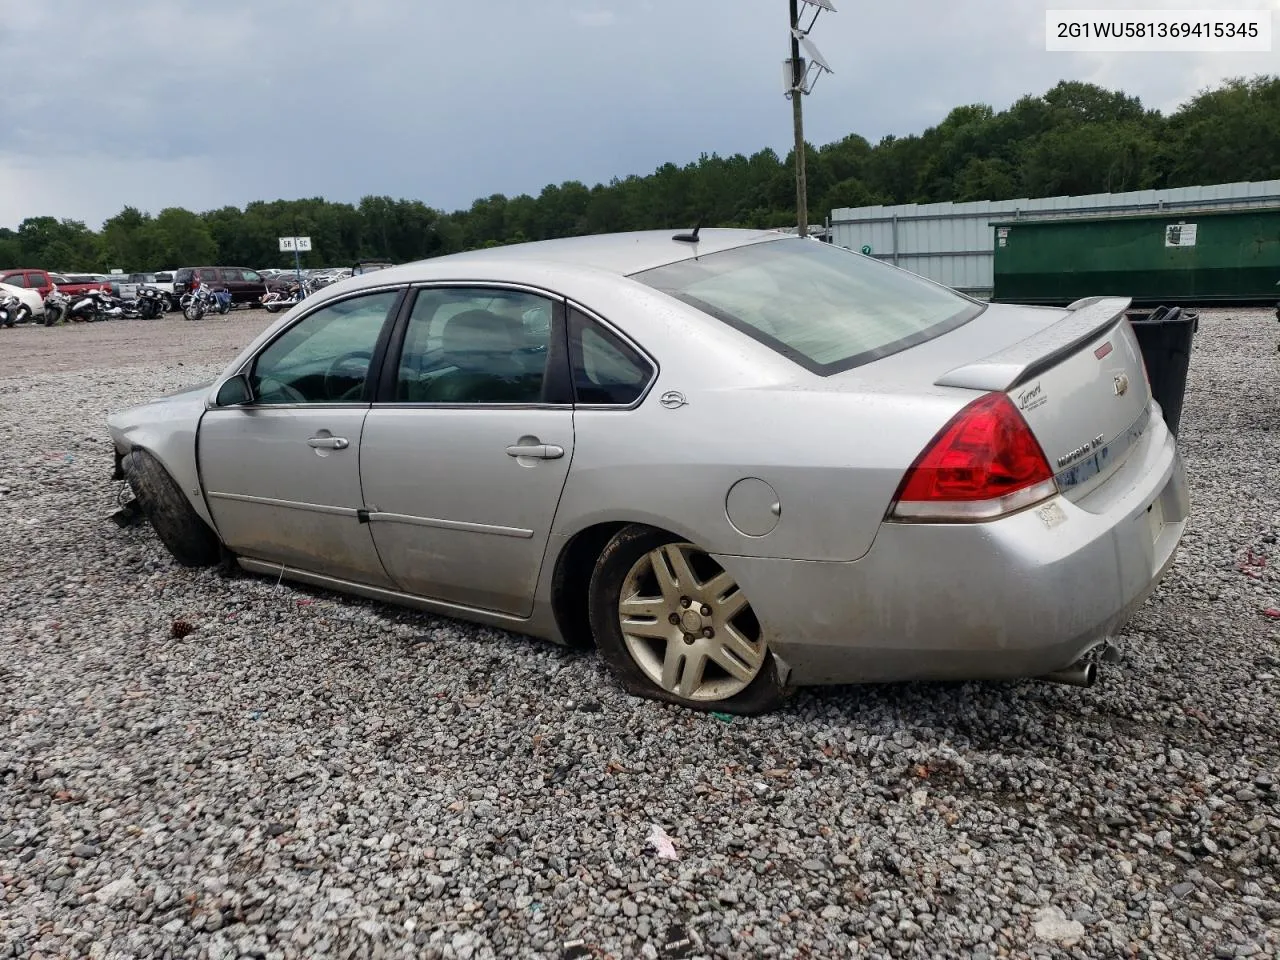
(1077, 138)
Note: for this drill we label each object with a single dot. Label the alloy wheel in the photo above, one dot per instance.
(688, 625)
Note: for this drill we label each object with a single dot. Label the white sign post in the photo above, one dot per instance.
(297, 245)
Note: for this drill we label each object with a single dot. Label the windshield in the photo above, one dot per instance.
(823, 307)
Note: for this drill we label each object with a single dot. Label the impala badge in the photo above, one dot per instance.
(672, 400)
(1121, 381)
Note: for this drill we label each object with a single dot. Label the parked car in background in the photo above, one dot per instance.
(43, 281)
(30, 303)
(246, 286)
(738, 461)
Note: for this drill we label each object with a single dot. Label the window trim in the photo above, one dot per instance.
(655, 368)
(559, 377)
(375, 362)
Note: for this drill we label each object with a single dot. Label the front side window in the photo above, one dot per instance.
(472, 346)
(324, 357)
(15, 279)
(208, 276)
(250, 276)
(823, 307)
(605, 369)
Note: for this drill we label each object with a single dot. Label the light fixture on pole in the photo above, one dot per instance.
(799, 78)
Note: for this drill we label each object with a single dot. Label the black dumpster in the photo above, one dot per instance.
(1164, 336)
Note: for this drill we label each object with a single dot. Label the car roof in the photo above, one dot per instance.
(620, 253)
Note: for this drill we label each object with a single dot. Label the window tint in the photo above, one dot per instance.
(323, 358)
(208, 275)
(605, 369)
(476, 346)
(250, 276)
(821, 306)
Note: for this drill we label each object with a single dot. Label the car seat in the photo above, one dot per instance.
(483, 348)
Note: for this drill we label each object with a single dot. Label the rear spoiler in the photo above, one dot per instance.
(1007, 368)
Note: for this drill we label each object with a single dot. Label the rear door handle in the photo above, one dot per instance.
(536, 451)
(328, 443)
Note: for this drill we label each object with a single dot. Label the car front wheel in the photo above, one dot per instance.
(674, 625)
(174, 520)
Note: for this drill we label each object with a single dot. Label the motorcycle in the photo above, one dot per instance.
(111, 308)
(90, 307)
(291, 295)
(151, 303)
(9, 308)
(55, 307)
(201, 300)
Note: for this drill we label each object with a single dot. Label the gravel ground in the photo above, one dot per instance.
(302, 775)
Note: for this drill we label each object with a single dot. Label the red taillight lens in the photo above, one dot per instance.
(983, 464)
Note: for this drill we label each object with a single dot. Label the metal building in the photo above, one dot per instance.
(953, 243)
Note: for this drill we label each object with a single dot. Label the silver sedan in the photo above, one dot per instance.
(737, 462)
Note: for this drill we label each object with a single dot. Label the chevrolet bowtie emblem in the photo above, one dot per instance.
(1121, 381)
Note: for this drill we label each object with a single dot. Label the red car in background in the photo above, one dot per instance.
(43, 281)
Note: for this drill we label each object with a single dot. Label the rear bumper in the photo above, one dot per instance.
(1017, 597)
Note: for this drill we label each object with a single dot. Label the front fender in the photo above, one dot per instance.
(167, 429)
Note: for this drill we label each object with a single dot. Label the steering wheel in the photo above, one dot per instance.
(280, 388)
(345, 366)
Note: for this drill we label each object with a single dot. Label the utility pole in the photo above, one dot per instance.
(797, 119)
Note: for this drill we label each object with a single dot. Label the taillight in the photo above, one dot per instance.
(985, 463)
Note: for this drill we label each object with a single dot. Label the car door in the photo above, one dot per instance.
(281, 473)
(466, 451)
(252, 286)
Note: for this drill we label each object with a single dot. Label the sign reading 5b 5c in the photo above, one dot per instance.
(290, 244)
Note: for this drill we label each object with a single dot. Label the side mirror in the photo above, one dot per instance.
(234, 392)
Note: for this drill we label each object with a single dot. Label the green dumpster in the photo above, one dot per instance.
(1222, 256)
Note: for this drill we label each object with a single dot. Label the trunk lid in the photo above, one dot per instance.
(1080, 384)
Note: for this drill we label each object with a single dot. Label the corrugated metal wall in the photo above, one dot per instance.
(952, 242)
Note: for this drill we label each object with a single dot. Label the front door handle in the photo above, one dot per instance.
(536, 451)
(328, 443)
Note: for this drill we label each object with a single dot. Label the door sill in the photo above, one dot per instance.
(462, 612)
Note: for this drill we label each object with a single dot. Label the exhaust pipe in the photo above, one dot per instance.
(1082, 673)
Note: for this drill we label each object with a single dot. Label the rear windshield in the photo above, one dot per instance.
(823, 307)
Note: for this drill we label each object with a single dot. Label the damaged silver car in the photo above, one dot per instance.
(737, 462)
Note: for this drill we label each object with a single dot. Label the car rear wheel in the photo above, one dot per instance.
(674, 625)
(174, 520)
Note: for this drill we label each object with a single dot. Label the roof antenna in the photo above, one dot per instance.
(689, 237)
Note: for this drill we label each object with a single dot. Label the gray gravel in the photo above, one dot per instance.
(303, 775)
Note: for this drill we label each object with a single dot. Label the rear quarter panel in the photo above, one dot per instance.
(834, 454)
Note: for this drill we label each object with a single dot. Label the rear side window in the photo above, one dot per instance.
(164, 278)
(605, 369)
(478, 346)
(208, 275)
(821, 306)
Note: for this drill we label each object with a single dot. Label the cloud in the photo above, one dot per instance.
(203, 104)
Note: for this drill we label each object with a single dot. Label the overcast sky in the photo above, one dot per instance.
(157, 103)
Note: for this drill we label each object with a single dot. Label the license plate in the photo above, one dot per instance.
(1155, 520)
